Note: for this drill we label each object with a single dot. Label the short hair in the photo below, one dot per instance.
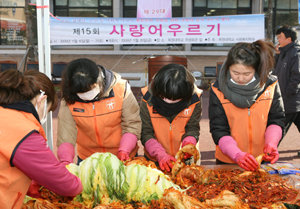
(16, 86)
(173, 81)
(288, 32)
(79, 76)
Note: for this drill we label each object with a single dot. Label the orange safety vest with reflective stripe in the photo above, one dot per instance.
(15, 127)
(247, 125)
(99, 123)
(169, 134)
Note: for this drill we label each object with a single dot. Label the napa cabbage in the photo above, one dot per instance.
(105, 179)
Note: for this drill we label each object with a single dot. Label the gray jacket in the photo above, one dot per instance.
(288, 73)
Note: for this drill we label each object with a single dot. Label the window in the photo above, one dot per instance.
(209, 71)
(7, 65)
(32, 66)
(129, 8)
(12, 22)
(285, 12)
(177, 8)
(61, 2)
(57, 70)
(244, 3)
(83, 8)
(286, 17)
(219, 8)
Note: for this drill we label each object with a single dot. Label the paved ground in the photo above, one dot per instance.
(287, 149)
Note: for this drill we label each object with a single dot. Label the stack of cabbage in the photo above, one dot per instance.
(105, 179)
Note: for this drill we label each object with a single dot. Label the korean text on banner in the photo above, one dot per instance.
(200, 30)
(154, 9)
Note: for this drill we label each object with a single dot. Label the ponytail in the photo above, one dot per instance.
(12, 87)
(259, 55)
(265, 50)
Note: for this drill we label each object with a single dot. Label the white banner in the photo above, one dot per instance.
(198, 30)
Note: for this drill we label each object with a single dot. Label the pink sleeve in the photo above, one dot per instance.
(66, 153)
(34, 158)
(189, 140)
(155, 149)
(229, 147)
(273, 135)
(128, 142)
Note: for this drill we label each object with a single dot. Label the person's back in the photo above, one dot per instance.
(288, 73)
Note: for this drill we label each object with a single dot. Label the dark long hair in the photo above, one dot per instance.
(173, 81)
(259, 55)
(16, 86)
(78, 77)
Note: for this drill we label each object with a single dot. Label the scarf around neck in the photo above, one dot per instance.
(167, 109)
(242, 96)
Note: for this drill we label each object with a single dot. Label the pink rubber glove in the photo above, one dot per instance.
(245, 160)
(127, 144)
(66, 153)
(188, 140)
(273, 135)
(156, 150)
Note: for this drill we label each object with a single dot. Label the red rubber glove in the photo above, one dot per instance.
(272, 153)
(122, 155)
(246, 161)
(187, 156)
(273, 135)
(166, 162)
(156, 150)
(188, 140)
(33, 190)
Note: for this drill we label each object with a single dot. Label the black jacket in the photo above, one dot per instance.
(288, 73)
(218, 122)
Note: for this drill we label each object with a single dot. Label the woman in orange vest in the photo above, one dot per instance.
(170, 113)
(25, 100)
(98, 113)
(245, 107)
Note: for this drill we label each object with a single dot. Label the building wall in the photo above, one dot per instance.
(131, 61)
(121, 63)
(137, 63)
